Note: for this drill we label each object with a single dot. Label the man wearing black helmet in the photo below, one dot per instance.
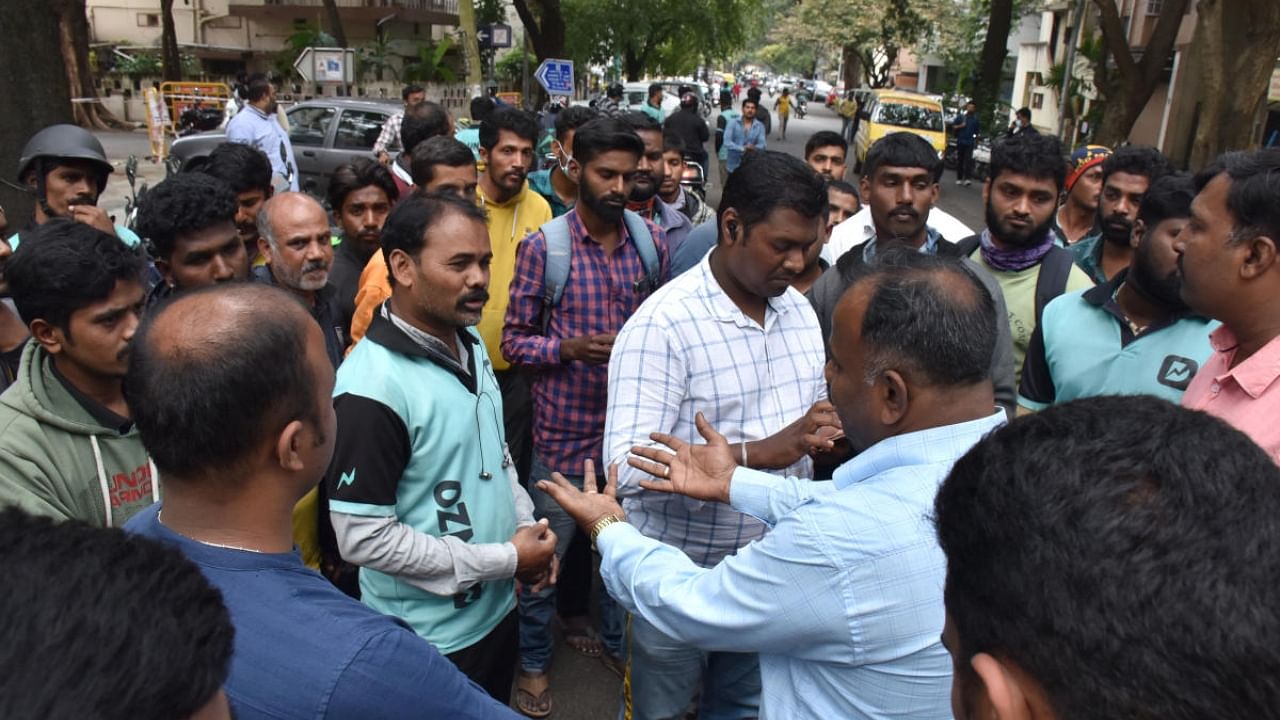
(66, 169)
(692, 129)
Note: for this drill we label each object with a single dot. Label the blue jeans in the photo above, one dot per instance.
(663, 677)
(538, 609)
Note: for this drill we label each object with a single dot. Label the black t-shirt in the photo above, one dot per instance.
(9, 360)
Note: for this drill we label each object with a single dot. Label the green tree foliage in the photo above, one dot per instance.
(873, 29)
(377, 59)
(667, 37)
(510, 68)
(431, 64)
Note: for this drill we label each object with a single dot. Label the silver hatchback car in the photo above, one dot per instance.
(325, 133)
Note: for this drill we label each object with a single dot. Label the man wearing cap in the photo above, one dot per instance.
(1077, 217)
(66, 169)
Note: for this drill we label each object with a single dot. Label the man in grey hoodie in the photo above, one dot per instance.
(68, 448)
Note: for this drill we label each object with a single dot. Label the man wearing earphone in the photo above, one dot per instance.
(423, 494)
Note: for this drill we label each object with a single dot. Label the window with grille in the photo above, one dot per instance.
(1154, 7)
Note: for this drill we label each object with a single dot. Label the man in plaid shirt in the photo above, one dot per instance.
(569, 360)
(389, 138)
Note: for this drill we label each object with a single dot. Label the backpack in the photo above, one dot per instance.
(1055, 269)
(555, 274)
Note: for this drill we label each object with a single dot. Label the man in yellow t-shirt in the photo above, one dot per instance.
(783, 106)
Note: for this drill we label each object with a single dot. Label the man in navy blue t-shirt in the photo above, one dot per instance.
(966, 129)
(230, 389)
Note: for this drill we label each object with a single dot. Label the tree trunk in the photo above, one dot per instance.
(335, 22)
(852, 76)
(1134, 82)
(545, 26)
(632, 65)
(991, 61)
(31, 43)
(73, 41)
(170, 59)
(1228, 120)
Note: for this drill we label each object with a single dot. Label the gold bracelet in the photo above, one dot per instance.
(601, 524)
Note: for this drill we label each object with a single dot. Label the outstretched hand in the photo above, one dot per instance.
(586, 506)
(702, 472)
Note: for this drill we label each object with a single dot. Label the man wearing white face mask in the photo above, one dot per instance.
(554, 184)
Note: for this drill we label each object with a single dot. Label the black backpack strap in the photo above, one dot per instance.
(1055, 269)
(965, 247)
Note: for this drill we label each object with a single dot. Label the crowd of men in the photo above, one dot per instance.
(272, 457)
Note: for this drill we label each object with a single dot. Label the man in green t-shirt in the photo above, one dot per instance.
(1021, 196)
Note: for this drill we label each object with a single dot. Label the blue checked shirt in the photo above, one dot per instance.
(843, 597)
(253, 127)
(689, 349)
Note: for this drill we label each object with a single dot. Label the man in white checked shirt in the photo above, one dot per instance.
(729, 339)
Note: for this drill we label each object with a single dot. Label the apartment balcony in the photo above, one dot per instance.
(434, 12)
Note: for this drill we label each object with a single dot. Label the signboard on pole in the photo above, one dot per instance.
(494, 36)
(556, 76)
(327, 65)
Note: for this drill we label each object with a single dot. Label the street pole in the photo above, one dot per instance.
(524, 68)
(1064, 96)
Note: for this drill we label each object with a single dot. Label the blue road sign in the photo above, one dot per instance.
(556, 76)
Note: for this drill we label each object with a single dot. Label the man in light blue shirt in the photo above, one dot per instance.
(743, 135)
(257, 125)
(843, 597)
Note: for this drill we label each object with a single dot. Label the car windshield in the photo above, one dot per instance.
(916, 117)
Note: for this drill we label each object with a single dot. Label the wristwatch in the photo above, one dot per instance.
(601, 524)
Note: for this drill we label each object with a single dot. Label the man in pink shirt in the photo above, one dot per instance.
(1229, 258)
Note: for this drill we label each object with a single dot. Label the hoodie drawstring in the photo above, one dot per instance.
(102, 479)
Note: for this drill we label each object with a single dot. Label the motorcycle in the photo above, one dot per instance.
(802, 105)
(981, 158)
(198, 119)
(693, 179)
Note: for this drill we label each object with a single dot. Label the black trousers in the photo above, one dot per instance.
(517, 418)
(964, 162)
(491, 663)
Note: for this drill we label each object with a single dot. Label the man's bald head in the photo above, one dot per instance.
(286, 208)
(924, 315)
(911, 346)
(216, 373)
(298, 245)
